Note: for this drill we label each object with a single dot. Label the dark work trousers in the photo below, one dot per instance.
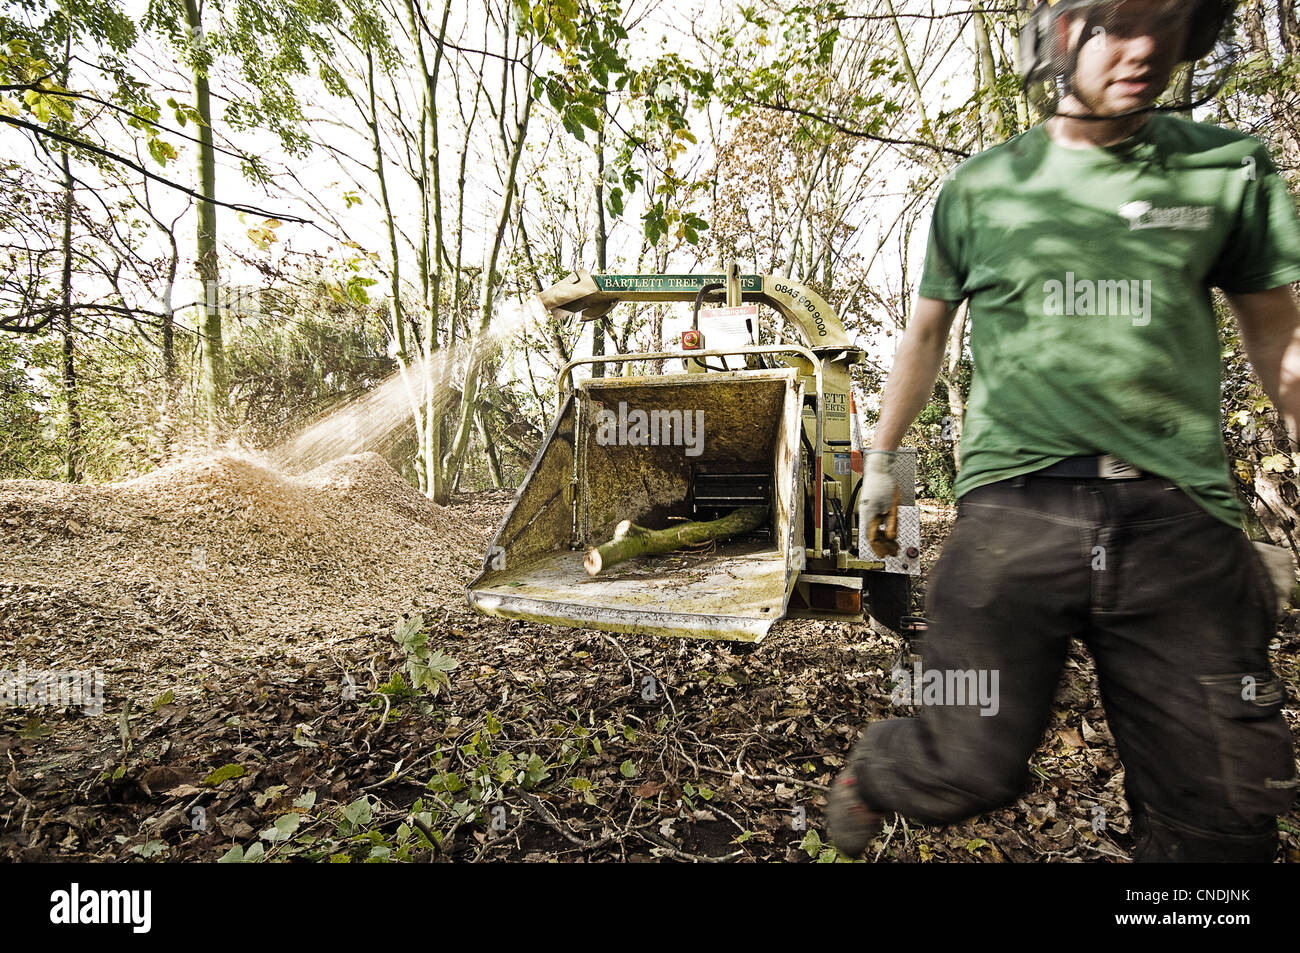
(1177, 611)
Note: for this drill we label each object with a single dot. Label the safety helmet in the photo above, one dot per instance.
(1047, 67)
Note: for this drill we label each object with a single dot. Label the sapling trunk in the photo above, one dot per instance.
(631, 540)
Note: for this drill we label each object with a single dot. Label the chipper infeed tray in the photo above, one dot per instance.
(657, 450)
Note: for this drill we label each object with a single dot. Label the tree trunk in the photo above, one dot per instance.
(631, 540)
(598, 326)
(169, 325)
(469, 397)
(431, 252)
(432, 381)
(458, 277)
(990, 102)
(908, 71)
(395, 277)
(494, 462)
(213, 375)
(1288, 26)
(73, 455)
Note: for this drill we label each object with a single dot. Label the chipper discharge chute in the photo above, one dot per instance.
(760, 437)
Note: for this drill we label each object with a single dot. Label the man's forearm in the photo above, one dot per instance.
(911, 379)
(1287, 396)
(1270, 333)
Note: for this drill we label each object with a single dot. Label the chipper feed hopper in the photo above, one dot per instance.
(719, 430)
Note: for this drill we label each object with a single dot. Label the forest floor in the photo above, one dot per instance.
(256, 704)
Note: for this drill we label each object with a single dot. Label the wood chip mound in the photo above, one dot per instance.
(227, 546)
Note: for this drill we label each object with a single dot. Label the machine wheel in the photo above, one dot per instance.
(889, 598)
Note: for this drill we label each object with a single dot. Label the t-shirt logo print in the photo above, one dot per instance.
(1197, 218)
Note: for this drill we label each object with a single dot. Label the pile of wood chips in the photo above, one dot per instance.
(220, 558)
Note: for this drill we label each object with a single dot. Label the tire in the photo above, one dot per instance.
(889, 598)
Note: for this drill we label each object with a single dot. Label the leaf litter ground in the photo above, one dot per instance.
(256, 704)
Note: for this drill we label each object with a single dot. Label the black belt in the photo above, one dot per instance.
(1104, 466)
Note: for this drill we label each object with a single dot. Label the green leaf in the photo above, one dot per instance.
(627, 768)
(586, 115)
(584, 787)
(305, 801)
(224, 773)
(33, 727)
(358, 812)
(408, 631)
(270, 794)
(162, 152)
(151, 848)
(535, 772)
(356, 286)
(448, 783)
(572, 125)
(281, 829)
(811, 844)
(555, 95)
(1276, 463)
(237, 854)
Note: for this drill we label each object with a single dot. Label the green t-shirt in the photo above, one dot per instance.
(1088, 273)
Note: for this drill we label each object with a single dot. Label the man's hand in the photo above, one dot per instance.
(878, 485)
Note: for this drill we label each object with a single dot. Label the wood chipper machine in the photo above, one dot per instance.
(721, 430)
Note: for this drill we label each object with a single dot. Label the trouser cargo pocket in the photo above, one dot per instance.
(1255, 753)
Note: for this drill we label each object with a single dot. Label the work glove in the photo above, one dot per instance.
(879, 490)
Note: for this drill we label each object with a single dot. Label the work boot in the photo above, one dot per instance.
(850, 823)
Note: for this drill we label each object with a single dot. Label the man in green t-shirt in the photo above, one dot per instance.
(1095, 499)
